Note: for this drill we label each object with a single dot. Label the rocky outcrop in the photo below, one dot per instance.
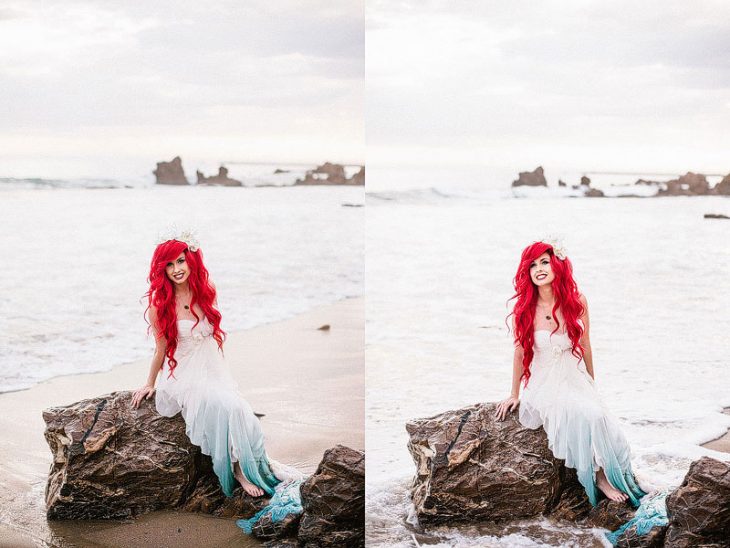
(715, 216)
(531, 178)
(699, 509)
(170, 173)
(689, 184)
(359, 177)
(723, 187)
(471, 466)
(113, 461)
(222, 179)
(334, 501)
(331, 174)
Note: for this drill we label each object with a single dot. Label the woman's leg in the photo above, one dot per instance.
(249, 487)
(609, 490)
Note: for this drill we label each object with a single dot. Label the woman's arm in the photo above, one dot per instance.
(585, 340)
(511, 403)
(157, 360)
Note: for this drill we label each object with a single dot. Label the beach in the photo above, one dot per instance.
(438, 338)
(309, 384)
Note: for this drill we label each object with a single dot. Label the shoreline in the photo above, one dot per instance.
(309, 384)
(722, 443)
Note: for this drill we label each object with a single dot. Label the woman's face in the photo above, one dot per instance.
(541, 271)
(178, 270)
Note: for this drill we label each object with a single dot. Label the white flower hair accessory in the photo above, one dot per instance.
(186, 236)
(558, 246)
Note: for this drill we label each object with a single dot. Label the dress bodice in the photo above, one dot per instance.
(550, 345)
(190, 335)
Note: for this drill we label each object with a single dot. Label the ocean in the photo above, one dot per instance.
(76, 259)
(440, 262)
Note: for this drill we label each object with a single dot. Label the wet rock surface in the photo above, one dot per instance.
(170, 173)
(113, 461)
(334, 501)
(699, 509)
(471, 466)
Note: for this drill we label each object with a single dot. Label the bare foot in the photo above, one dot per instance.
(250, 488)
(609, 490)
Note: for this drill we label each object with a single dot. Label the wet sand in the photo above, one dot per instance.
(309, 384)
(723, 442)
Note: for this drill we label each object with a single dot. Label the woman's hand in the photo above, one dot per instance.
(143, 393)
(505, 406)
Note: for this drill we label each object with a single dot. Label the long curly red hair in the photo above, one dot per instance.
(567, 300)
(161, 295)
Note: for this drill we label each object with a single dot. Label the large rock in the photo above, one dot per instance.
(170, 173)
(113, 461)
(222, 179)
(331, 174)
(531, 178)
(699, 509)
(471, 466)
(723, 187)
(358, 178)
(334, 501)
(689, 184)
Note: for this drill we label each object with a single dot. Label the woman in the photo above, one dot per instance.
(553, 356)
(193, 376)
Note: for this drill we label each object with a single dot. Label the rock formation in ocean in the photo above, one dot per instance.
(331, 174)
(222, 179)
(472, 467)
(359, 177)
(531, 178)
(689, 184)
(334, 501)
(113, 461)
(723, 187)
(699, 509)
(170, 173)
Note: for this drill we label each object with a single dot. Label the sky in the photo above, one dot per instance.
(583, 85)
(98, 87)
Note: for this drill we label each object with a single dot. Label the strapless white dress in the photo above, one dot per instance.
(217, 417)
(562, 398)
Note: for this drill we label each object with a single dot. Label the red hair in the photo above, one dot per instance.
(161, 295)
(567, 300)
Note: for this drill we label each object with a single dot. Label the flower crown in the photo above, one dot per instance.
(558, 246)
(186, 236)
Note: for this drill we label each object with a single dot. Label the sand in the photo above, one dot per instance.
(723, 442)
(309, 383)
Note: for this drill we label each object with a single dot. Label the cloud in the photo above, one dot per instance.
(293, 69)
(488, 80)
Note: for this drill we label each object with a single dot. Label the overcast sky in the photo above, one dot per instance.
(92, 86)
(575, 85)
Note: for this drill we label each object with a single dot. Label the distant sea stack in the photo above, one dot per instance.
(531, 178)
(331, 174)
(222, 179)
(170, 173)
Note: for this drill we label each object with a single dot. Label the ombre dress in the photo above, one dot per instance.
(217, 418)
(561, 397)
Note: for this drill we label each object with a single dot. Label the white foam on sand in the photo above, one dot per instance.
(75, 263)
